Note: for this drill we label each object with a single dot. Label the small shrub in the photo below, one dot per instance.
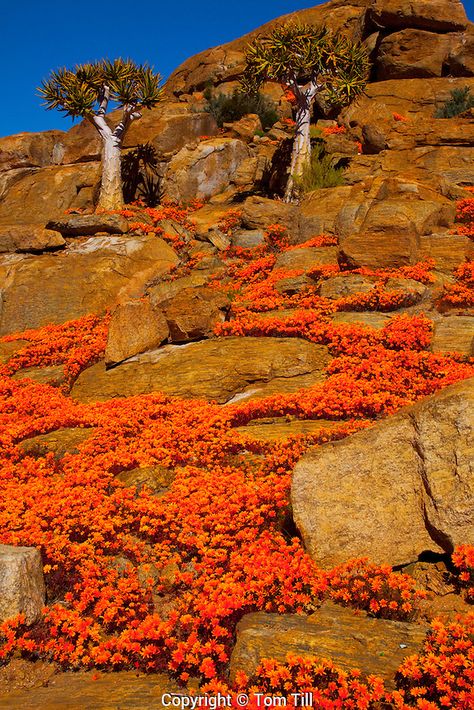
(140, 175)
(320, 172)
(227, 109)
(460, 101)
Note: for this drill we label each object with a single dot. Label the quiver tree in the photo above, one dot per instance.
(309, 61)
(89, 91)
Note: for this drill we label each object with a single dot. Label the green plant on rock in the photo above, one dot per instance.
(310, 61)
(461, 100)
(227, 109)
(87, 91)
(319, 172)
(140, 175)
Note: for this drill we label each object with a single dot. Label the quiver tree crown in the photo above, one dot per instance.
(309, 61)
(83, 91)
(299, 55)
(87, 91)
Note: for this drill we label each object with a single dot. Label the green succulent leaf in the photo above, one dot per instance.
(78, 92)
(301, 53)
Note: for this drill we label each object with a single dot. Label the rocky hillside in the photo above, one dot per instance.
(234, 429)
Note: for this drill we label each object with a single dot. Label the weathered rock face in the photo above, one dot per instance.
(82, 688)
(342, 286)
(52, 375)
(28, 238)
(168, 127)
(448, 250)
(248, 238)
(22, 588)
(383, 230)
(134, 328)
(376, 647)
(246, 127)
(86, 278)
(429, 132)
(443, 168)
(173, 129)
(415, 491)
(412, 98)
(320, 208)
(461, 58)
(431, 15)
(29, 150)
(205, 170)
(44, 194)
(454, 334)
(212, 369)
(306, 258)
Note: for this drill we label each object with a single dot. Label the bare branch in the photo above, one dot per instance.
(104, 100)
(130, 114)
(101, 125)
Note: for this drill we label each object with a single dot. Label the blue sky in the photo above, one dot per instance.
(40, 36)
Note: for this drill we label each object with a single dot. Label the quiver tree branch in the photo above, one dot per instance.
(86, 92)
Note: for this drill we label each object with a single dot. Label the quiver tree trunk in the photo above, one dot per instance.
(301, 154)
(111, 194)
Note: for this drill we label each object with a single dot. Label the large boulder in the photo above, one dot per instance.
(193, 313)
(431, 15)
(42, 194)
(134, 328)
(413, 53)
(260, 212)
(213, 369)
(204, 170)
(28, 238)
(85, 278)
(349, 639)
(22, 589)
(320, 208)
(392, 492)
